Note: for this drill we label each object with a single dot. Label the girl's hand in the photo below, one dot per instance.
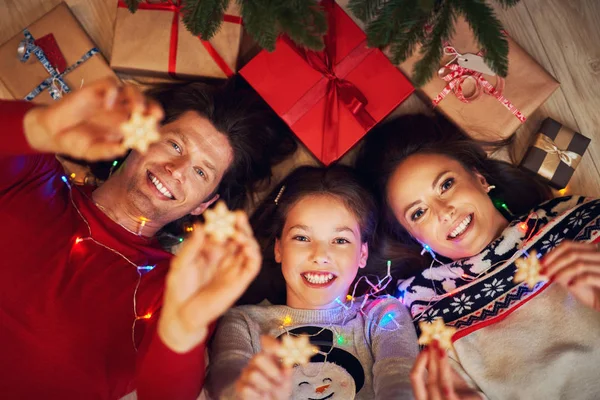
(433, 378)
(576, 267)
(204, 281)
(264, 378)
(86, 124)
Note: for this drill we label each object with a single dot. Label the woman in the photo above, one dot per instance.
(472, 217)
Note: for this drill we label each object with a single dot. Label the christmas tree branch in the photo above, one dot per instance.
(432, 50)
(132, 5)
(488, 32)
(365, 10)
(507, 3)
(303, 21)
(203, 17)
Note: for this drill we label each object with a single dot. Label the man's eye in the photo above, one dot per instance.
(417, 214)
(175, 146)
(341, 241)
(448, 183)
(200, 172)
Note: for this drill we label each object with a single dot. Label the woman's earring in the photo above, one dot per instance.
(490, 188)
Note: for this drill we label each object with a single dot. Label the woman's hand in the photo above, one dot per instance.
(86, 124)
(576, 267)
(204, 281)
(433, 378)
(264, 378)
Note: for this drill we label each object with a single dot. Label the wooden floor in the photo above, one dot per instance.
(563, 36)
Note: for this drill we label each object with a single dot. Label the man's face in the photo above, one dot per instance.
(178, 173)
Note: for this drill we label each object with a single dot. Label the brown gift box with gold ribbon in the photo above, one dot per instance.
(556, 153)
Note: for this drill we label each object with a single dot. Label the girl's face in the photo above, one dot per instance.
(443, 205)
(320, 252)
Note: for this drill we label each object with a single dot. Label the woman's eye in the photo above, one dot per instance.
(448, 183)
(417, 214)
(300, 238)
(175, 146)
(341, 241)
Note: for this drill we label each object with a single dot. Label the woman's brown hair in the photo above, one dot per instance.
(388, 145)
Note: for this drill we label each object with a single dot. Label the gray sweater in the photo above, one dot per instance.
(369, 354)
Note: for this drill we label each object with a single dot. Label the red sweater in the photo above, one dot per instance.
(67, 308)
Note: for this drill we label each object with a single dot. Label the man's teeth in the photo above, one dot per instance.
(461, 228)
(318, 279)
(160, 187)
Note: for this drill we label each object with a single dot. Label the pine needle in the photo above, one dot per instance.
(365, 10)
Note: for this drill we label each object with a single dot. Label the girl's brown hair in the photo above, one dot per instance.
(339, 182)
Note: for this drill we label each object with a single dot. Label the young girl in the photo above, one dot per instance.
(472, 218)
(319, 223)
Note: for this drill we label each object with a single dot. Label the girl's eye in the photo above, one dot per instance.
(341, 241)
(417, 214)
(448, 183)
(175, 146)
(300, 238)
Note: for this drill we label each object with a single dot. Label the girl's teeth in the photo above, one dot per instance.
(318, 279)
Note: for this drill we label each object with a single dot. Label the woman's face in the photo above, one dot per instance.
(320, 251)
(443, 205)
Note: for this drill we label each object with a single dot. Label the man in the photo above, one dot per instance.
(83, 274)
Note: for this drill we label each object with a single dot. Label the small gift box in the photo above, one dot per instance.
(484, 105)
(331, 98)
(51, 57)
(153, 41)
(556, 153)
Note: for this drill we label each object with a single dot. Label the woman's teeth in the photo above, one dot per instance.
(462, 227)
(318, 279)
(160, 186)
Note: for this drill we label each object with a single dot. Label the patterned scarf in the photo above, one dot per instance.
(475, 292)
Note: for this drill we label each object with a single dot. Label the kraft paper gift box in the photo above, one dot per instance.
(502, 104)
(58, 57)
(153, 41)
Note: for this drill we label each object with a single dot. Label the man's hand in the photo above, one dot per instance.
(205, 280)
(86, 124)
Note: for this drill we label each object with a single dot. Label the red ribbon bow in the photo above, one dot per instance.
(333, 86)
(456, 76)
(175, 7)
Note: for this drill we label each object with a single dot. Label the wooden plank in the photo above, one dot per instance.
(523, 25)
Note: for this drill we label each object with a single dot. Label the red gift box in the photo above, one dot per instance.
(331, 98)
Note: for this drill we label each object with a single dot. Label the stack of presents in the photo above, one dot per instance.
(330, 99)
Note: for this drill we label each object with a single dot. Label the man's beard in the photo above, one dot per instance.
(143, 203)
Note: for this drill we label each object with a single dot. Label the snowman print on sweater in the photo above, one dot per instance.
(339, 376)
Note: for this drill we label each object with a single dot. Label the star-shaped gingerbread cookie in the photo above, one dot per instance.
(528, 270)
(436, 330)
(140, 132)
(219, 222)
(296, 350)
